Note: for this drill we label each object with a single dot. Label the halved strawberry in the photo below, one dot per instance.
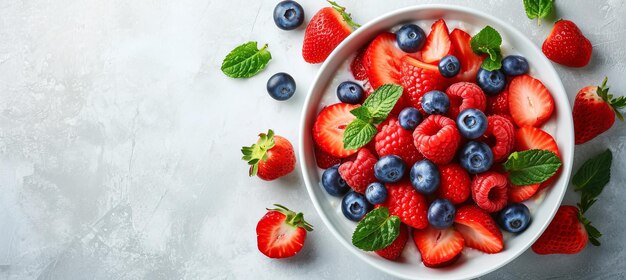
(418, 78)
(329, 126)
(382, 60)
(522, 193)
(528, 138)
(438, 247)
(438, 43)
(470, 61)
(281, 232)
(530, 102)
(357, 67)
(478, 229)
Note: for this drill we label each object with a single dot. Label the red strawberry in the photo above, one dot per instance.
(392, 139)
(489, 191)
(566, 234)
(329, 126)
(271, 157)
(418, 78)
(463, 96)
(530, 103)
(393, 251)
(281, 232)
(500, 135)
(437, 138)
(438, 247)
(470, 61)
(498, 104)
(594, 112)
(437, 43)
(382, 60)
(522, 193)
(406, 203)
(528, 138)
(478, 229)
(567, 45)
(357, 66)
(325, 160)
(360, 172)
(328, 27)
(455, 183)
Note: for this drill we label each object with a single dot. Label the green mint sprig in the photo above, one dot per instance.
(376, 231)
(246, 60)
(373, 111)
(531, 167)
(538, 9)
(488, 42)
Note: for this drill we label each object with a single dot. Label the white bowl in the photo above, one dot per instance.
(472, 263)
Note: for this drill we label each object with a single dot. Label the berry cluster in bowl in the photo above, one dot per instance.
(433, 137)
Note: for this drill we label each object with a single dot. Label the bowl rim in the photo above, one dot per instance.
(567, 166)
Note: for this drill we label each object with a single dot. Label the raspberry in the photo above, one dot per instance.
(418, 78)
(393, 251)
(406, 203)
(455, 183)
(522, 193)
(463, 96)
(437, 138)
(360, 172)
(325, 160)
(498, 104)
(392, 139)
(489, 191)
(500, 136)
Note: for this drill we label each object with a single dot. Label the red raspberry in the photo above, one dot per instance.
(392, 139)
(418, 78)
(500, 136)
(522, 193)
(489, 191)
(455, 183)
(406, 203)
(393, 251)
(498, 104)
(325, 160)
(464, 95)
(437, 138)
(360, 172)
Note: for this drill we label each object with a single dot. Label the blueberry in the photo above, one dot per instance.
(491, 82)
(410, 38)
(472, 123)
(514, 65)
(514, 218)
(449, 66)
(281, 86)
(389, 169)
(288, 15)
(441, 213)
(476, 157)
(350, 92)
(435, 102)
(376, 193)
(409, 118)
(333, 183)
(354, 206)
(425, 176)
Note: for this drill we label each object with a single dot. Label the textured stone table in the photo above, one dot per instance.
(120, 138)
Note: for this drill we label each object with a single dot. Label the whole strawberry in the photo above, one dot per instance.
(271, 157)
(594, 111)
(566, 234)
(328, 27)
(567, 45)
(281, 232)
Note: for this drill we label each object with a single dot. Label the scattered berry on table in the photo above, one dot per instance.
(514, 65)
(472, 123)
(389, 169)
(288, 15)
(281, 232)
(333, 183)
(441, 213)
(449, 66)
(409, 118)
(271, 157)
(281, 86)
(376, 193)
(425, 177)
(350, 92)
(491, 82)
(325, 31)
(566, 234)
(435, 102)
(476, 157)
(354, 206)
(410, 38)
(567, 45)
(514, 218)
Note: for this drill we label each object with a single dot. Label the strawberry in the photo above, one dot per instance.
(392, 139)
(528, 138)
(530, 103)
(567, 45)
(418, 78)
(464, 95)
(360, 172)
(357, 67)
(489, 191)
(566, 234)
(437, 138)
(522, 193)
(500, 136)
(498, 104)
(329, 126)
(394, 250)
(281, 232)
(271, 157)
(594, 111)
(406, 203)
(437, 44)
(438, 247)
(328, 27)
(382, 60)
(455, 183)
(325, 160)
(478, 229)
(470, 61)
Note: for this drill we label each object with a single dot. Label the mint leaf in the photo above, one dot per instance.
(493, 62)
(246, 60)
(382, 100)
(362, 113)
(488, 41)
(357, 134)
(376, 231)
(538, 8)
(531, 167)
(594, 174)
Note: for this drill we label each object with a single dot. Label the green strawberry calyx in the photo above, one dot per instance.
(615, 103)
(258, 152)
(293, 219)
(347, 17)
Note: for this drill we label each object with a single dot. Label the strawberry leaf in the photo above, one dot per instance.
(538, 8)
(531, 167)
(376, 231)
(246, 60)
(594, 174)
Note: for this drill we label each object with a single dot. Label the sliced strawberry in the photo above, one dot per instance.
(522, 193)
(325, 160)
(418, 78)
(357, 67)
(438, 247)
(470, 61)
(382, 60)
(393, 251)
(329, 126)
(528, 138)
(438, 43)
(281, 232)
(478, 229)
(530, 102)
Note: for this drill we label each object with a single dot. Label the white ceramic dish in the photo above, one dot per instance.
(472, 263)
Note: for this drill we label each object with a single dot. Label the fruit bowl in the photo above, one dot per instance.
(472, 263)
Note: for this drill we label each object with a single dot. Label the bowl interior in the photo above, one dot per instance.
(472, 263)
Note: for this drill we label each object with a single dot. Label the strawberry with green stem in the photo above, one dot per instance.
(271, 157)
(594, 111)
(281, 232)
